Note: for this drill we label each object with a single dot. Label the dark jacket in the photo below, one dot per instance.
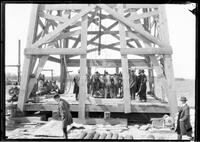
(184, 124)
(64, 111)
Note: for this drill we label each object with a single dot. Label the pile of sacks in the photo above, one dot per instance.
(92, 134)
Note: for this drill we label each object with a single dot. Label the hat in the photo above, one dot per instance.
(183, 99)
(141, 70)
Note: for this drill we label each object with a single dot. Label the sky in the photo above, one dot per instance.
(181, 25)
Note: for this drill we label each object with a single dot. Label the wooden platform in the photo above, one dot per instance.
(101, 105)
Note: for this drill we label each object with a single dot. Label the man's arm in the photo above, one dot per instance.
(62, 109)
(186, 114)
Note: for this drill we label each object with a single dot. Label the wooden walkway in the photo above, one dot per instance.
(101, 105)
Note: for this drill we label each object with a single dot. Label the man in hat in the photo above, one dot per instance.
(142, 79)
(64, 113)
(183, 122)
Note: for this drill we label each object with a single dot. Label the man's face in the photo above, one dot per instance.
(183, 102)
(57, 99)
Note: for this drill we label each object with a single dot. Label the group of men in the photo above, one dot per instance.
(111, 85)
(43, 86)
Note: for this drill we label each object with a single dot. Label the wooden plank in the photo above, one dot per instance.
(27, 66)
(61, 27)
(62, 6)
(68, 34)
(168, 66)
(53, 17)
(53, 59)
(54, 51)
(148, 107)
(172, 98)
(124, 60)
(107, 62)
(135, 16)
(63, 65)
(125, 21)
(160, 83)
(142, 51)
(83, 66)
(141, 6)
(37, 72)
(111, 121)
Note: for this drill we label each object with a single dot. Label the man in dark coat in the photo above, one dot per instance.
(183, 122)
(76, 85)
(133, 85)
(142, 79)
(64, 112)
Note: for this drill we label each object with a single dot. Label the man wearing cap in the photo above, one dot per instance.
(64, 113)
(183, 122)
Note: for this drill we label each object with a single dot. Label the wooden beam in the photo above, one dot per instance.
(61, 27)
(141, 6)
(53, 59)
(54, 51)
(124, 60)
(169, 72)
(147, 107)
(125, 21)
(135, 16)
(62, 6)
(168, 66)
(63, 58)
(53, 17)
(107, 62)
(37, 72)
(68, 34)
(28, 60)
(83, 68)
(161, 89)
(142, 51)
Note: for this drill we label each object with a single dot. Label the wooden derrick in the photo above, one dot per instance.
(143, 34)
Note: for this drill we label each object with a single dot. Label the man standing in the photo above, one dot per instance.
(183, 122)
(107, 80)
(76, 84)
(64, 112)
(142, 79)
(132, 80)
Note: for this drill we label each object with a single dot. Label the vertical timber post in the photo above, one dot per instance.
(117, 69)
(64, 44)
(168, 66)
(125, 75)
(29, 61)
(19, 59)
(83, 66)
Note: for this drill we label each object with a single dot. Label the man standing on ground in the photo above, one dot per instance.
(183, 122)
(64, 112)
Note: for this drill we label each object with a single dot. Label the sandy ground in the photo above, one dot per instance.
(186, 88)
